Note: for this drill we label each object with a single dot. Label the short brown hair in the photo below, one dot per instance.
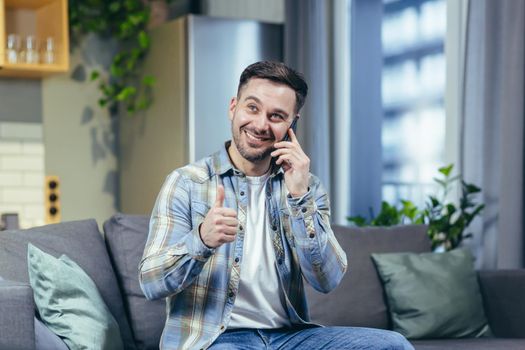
(280, 73)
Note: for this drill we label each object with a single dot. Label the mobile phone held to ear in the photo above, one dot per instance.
(293, 126)
(286, 137)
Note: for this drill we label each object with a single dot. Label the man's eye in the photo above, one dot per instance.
(277, 116)
(252, 108)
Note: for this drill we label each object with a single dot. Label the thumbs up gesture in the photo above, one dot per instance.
(220, 224)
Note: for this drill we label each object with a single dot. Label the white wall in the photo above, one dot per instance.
(22, 172)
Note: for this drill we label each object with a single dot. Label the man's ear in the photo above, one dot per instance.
(231, 109)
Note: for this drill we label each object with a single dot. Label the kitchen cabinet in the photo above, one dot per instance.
(44, 20)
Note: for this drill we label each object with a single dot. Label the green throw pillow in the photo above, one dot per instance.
(432, 295)
(69, 302)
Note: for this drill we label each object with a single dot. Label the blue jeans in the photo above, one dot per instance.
(311, 338)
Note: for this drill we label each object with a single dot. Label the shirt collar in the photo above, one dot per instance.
(222, 163)
(221, 160)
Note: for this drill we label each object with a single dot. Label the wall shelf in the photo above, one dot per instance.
(42, 19)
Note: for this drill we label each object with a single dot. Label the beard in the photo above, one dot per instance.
(249, 153)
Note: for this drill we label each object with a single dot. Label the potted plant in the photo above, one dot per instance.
(447, 222)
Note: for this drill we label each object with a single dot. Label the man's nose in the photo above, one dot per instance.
(261, 123)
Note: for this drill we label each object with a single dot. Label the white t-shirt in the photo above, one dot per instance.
(260, 300)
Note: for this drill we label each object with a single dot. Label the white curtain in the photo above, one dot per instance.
(492, 127)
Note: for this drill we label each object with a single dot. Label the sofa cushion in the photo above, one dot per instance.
(503, 294)
(44, 338)
(470, 344)
(16, 299)
(359, 298)
(433, 295)
(82, 242)
(126, 238)
(47, 340)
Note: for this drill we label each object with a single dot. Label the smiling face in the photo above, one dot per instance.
(260, 116)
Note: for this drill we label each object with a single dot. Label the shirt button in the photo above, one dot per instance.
(240, 227)
(231, 295)
(222, 328)
(274, 228)
(280, 261)
(312, 235)
(303, 210)
(236, 260)
(242, 193)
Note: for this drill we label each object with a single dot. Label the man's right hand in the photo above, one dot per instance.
(220, 224)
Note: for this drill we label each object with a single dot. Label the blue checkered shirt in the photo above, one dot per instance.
(200, 283)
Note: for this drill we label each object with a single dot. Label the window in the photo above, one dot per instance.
(413, 86)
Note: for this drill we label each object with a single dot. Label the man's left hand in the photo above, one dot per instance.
(295, 163)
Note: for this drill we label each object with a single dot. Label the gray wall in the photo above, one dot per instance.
(79, 137)
(20, 100)
(263, 10)
(271, 11)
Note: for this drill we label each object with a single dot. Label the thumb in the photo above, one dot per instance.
(220, 196)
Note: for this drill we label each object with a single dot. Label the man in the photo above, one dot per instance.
(232, 236)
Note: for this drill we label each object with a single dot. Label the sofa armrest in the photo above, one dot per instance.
(503, 297)
(16, 316)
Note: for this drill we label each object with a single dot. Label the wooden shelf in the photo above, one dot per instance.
(42, 19)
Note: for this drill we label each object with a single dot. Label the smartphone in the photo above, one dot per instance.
(286, 137)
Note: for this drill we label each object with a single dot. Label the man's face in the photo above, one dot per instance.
(261, 116)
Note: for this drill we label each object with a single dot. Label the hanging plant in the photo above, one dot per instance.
(125, 21)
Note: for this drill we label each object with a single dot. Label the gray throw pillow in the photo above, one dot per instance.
(432, 295)
(44, 338)
(69, 303)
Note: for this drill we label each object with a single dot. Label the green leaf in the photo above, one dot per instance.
(126, 93)
(130, 4)
(120, 57)
(409, 210)
(114, 6)
(144, 40)
(148, 80)
(130, 64)
(135, 20)
(470, 188)
(357, 220)
(446, 169)
(125, 29)
(451, 209)
(137, 52)
(388, 216)
(116, 70)
(143, 104)
(94, 75)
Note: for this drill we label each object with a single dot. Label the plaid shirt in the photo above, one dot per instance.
(201, 283)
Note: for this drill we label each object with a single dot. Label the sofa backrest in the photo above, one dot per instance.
(359, 299)
(83, 243)
(125, 239)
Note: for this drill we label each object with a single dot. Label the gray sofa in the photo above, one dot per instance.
(111, 260)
